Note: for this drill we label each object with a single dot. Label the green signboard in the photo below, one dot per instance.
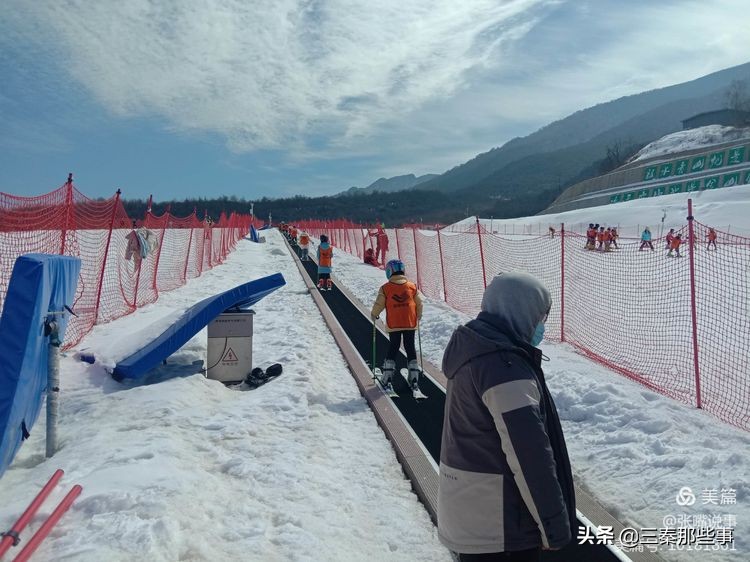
(665, 170)
(730, 179)
(650, 173)
(711, 183)
(736, 155)
(628, 196)
(716, 160)
(681, 167)
(693, 185)
(643, 193)
(661, 190)
(675, 188)
(616, 198)
(747, 177)
(699, 163)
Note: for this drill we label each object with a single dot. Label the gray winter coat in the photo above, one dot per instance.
(505, 477)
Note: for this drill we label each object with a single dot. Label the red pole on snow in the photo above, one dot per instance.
(481, 253)
(47, 526)
(11, 537)
(416, 255)
(187, 257)
(442, 267)
(562, 282)
(398, 251)
(161, 245)
(68, 211)
(106, 252)
(693, 308)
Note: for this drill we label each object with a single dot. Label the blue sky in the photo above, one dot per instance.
(282, 97)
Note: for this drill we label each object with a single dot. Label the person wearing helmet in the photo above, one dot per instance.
(304, 245)
(402, 303)
(646, 240)
(325, 261)
(590, 237)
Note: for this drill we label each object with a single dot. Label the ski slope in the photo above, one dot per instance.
(727, 209)
(298, 469)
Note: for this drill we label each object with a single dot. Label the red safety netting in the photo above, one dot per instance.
(113, 281)
(678, 325)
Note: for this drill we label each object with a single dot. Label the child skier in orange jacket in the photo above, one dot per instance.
(402, 303)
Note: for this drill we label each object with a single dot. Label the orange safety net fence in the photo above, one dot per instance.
(678, 325)
(115, 280)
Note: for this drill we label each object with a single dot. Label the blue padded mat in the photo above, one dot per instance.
(193, 320)
(38, 284)
(254, 234)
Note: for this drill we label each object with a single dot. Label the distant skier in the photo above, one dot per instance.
(590, 237)
(403, 309)
(646, 240)
(613, 237)
(383, 244)
(325, 262)
(551, 232)
(675, 245)
(711, 239)
(601, 237)
(304, 246)
(669, 238)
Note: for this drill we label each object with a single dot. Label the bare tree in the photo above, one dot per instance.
(737, 96)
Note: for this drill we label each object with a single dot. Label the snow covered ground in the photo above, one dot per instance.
(187, 469)
(299, 470)
(726, 209)
(691, 139)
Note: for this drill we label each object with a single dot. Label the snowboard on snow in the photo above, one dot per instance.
(259, 377)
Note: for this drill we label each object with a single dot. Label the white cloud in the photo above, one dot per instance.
(275, 73)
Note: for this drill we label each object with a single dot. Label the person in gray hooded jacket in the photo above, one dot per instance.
(506, 486)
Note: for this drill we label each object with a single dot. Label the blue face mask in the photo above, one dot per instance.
(538, 336)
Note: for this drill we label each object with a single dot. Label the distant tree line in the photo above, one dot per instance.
(522, 188)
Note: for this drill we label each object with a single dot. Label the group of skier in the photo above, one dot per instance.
(495, 396)
(605, 240)
(399, 298)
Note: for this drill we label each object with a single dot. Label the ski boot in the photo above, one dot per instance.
(329, 284)
(321, 284)
(414, 371)
(389, 368)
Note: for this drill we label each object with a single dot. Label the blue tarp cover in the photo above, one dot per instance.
(191, 322)
(254, 234)
(39, 283)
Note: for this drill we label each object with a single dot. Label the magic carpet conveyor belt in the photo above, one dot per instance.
(425, 418)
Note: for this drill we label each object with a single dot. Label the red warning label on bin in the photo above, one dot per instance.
(229, 357)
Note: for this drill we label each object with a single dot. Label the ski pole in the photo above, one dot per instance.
(374, 336)
(419, 337)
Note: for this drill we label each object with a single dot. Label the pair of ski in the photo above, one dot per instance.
(417, 394)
